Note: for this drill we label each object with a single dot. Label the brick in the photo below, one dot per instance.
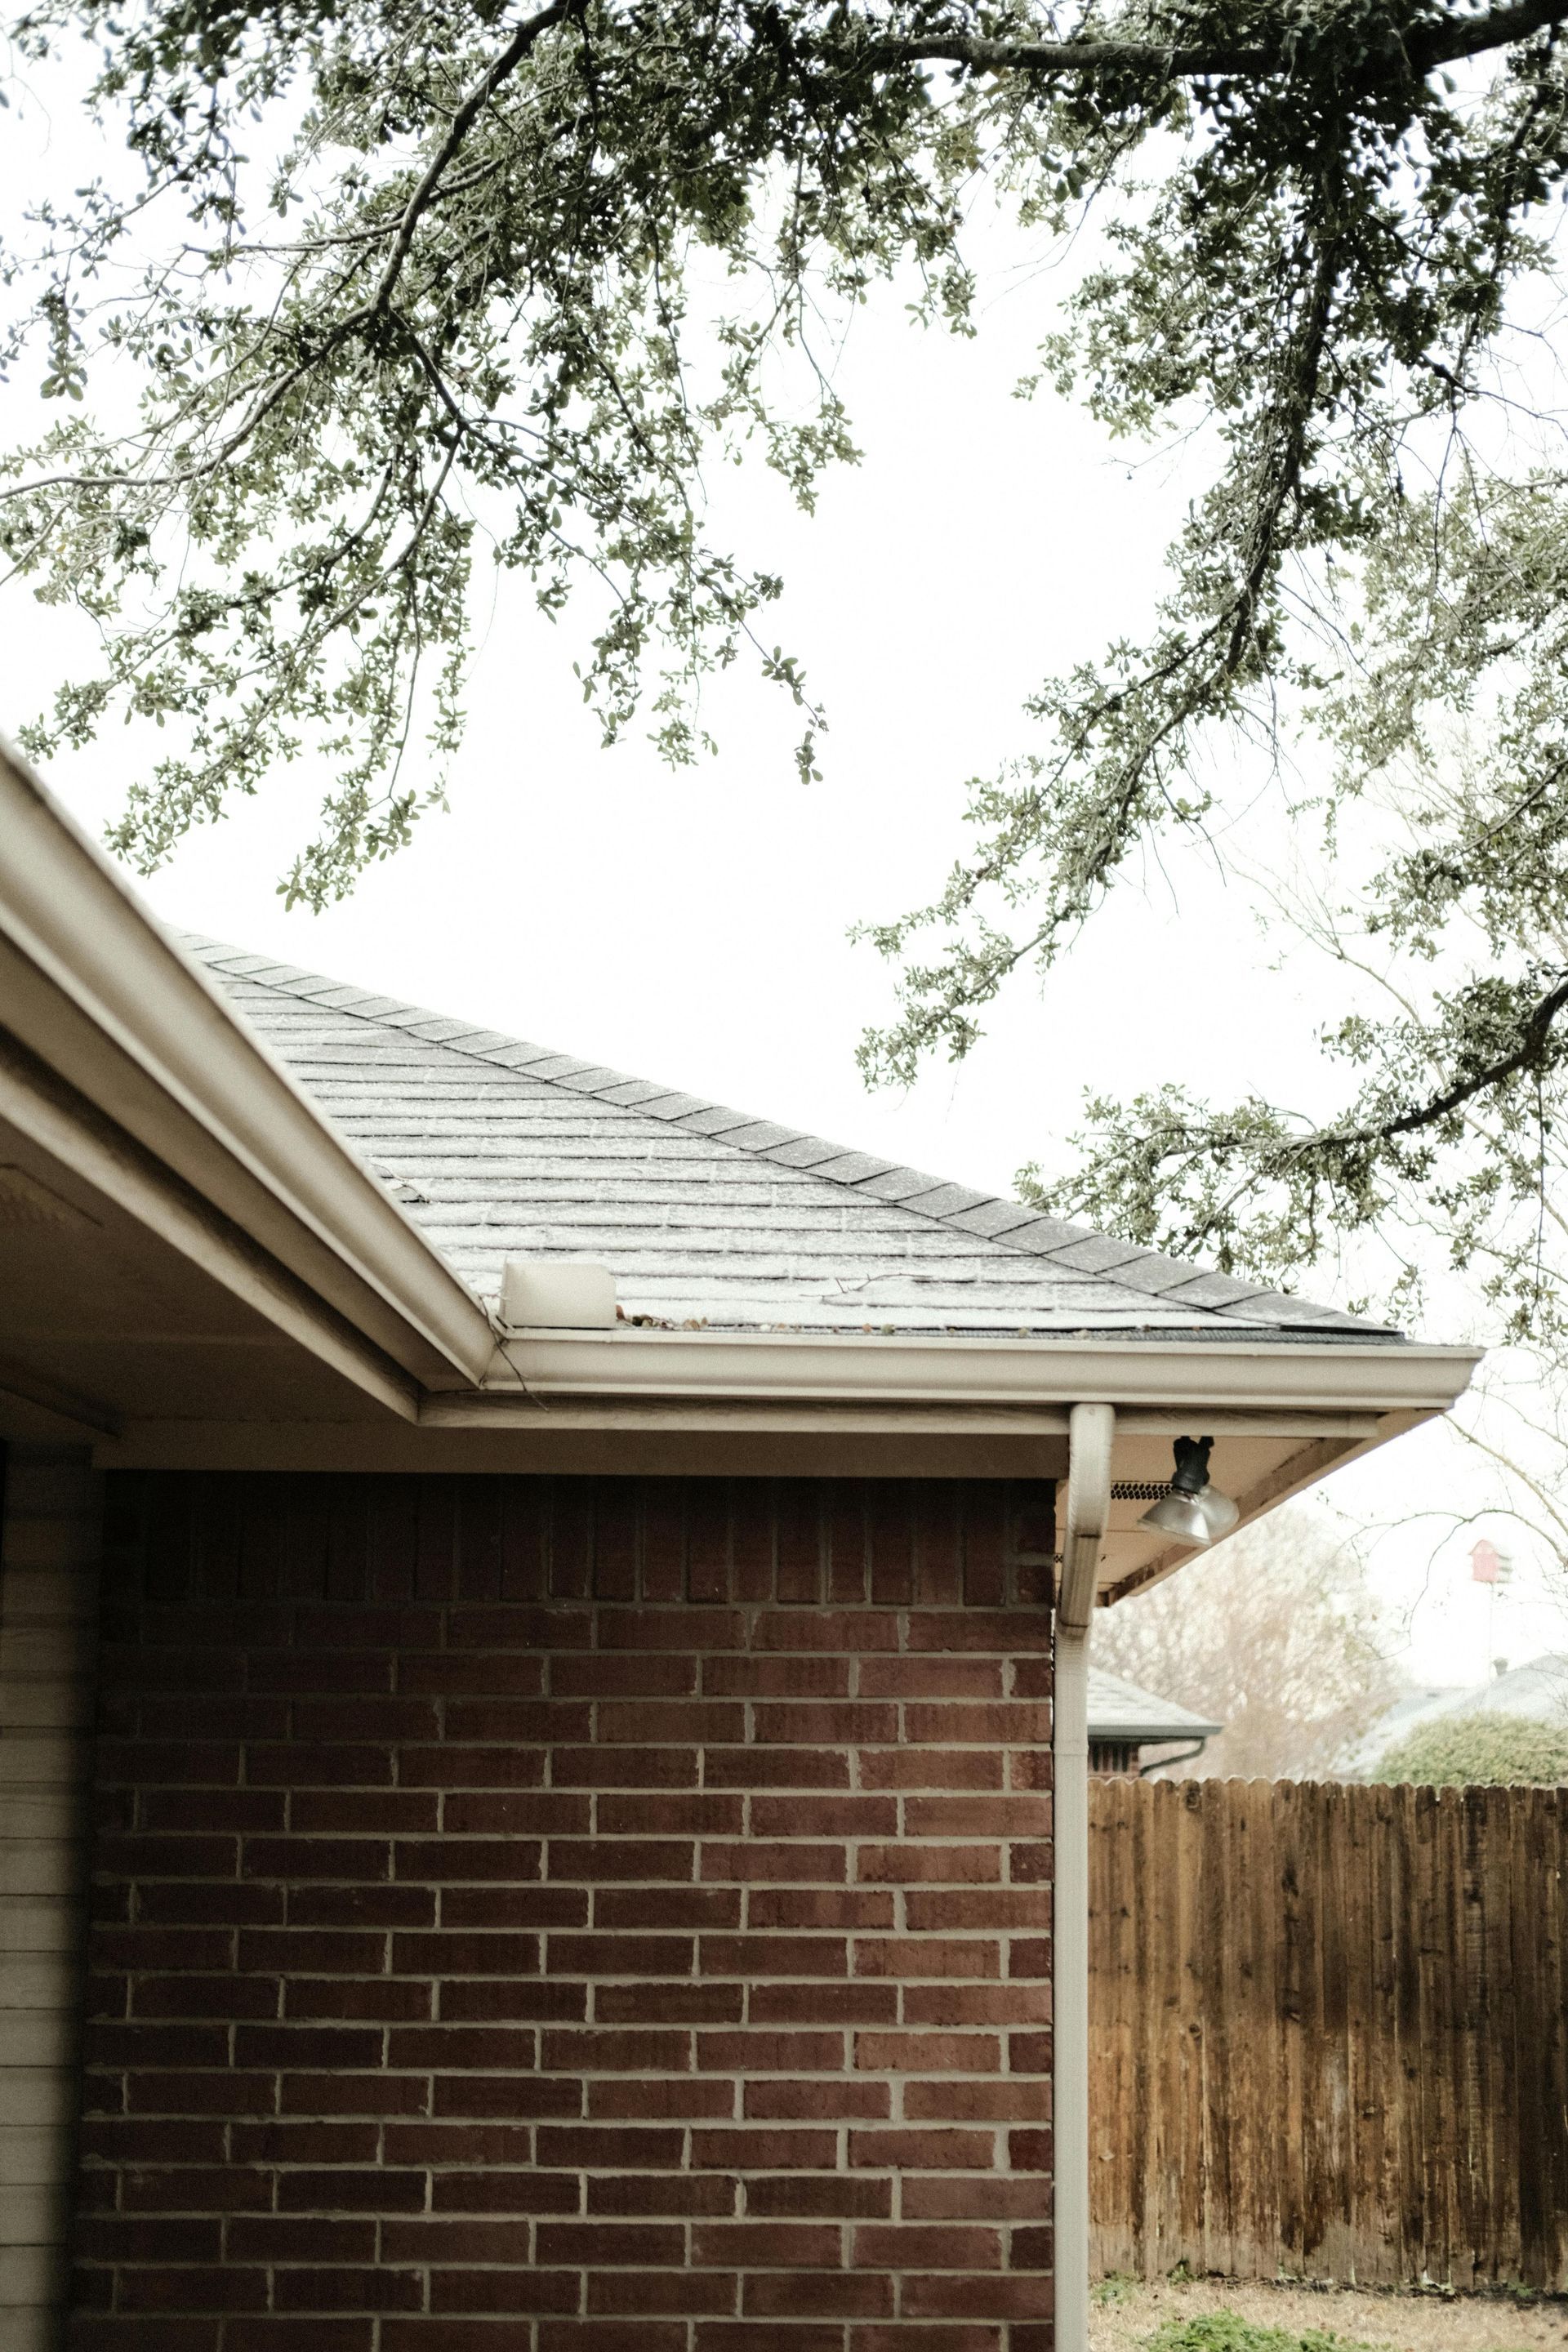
(825, 1817)
(286, 2238)
(782, 1768)
(624, 1768)
(295, 1858)
(777, 1677)
(704, 1815)
(823, 2003)
(850, 2195)
(826, 1723)
(364, 1811)
(652, 1675)
(458, 1766)
(1010, 1630)
(435, 1860)
(930, 2249)
(972, 2103)
(929, 2054)
(615, 2053)
(973, 1906)
(315, 1764)
(656, 2192)
(603, 2335)
(452, 1952)
(810, 1907)
(617, 1908)
(776, 2244)
(621, 1955)
(767, 2335)
(929, 1677)
(796, 2295)
(927, 1955)
(513, 1814)
(931, 1767)
(767, 2151)
(924, 2151)
(974, 2004)
(670, 1629)
(500, 2192)
(756, 1860)
(636, 1859)
(909, 1864)
(755, 2053)
(813, 2099)
(371, 2189)
(669, 2004)
(977, 1817)
(371, 2289)
(591, 2243)
(388, 2001)
(773, 1956)
(546, 2003)
(594, 2148)
(513, 1906)
(971, 2297)
(690, 2099)
(693, 2293)
(283, 1951)
(839, 1629)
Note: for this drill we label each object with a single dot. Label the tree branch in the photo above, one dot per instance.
(1426, 47)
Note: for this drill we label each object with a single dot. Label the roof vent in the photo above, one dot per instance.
(557, 1294)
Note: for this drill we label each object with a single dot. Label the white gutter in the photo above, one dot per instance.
(93, 990)
(1091, 1429)
(1249, 1373)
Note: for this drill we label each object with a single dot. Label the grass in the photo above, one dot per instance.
(1220, 2316)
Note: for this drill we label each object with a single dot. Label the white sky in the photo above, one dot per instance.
(690, 926)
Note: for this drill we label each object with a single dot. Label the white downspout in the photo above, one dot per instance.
(1091, 1429)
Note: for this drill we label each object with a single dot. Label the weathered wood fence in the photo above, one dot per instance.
(1328, 2030)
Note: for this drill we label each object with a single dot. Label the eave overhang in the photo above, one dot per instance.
(91, 989)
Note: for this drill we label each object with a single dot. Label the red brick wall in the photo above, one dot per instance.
(570, 1917)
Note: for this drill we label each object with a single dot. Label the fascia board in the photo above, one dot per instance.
(1245, 1376)
(95, 991)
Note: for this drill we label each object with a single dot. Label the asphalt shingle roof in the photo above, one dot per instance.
(1124, 1710)
(705, 1214)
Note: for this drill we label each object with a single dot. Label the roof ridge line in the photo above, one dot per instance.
(1080, 1248)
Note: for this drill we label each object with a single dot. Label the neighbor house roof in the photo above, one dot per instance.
(1537, 1690)
(706, 1216)
(1122, 1710)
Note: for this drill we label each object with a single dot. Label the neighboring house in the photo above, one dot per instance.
(1538, 1690)
(589, 1797)
(1124, 1720)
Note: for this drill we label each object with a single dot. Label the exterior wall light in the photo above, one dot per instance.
(1194, 1511)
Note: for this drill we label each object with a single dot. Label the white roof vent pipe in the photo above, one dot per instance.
(557, 1294)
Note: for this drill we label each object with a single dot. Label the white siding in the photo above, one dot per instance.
(48, 1614)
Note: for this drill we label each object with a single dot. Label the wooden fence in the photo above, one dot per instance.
(1328, 2031)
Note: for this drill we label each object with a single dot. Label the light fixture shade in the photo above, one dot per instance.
(1220, 1513)
(1179, 1514)
(1194, 1511)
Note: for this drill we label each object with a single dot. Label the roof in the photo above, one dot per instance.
(1122, 1710)
(707, 1216)
(1538, 1690)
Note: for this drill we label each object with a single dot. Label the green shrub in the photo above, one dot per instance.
(1495, 1751)
(1227, 2331)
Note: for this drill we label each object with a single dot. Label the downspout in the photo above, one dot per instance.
(1090, 1431)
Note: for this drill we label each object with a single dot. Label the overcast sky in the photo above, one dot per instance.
(692, 926)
